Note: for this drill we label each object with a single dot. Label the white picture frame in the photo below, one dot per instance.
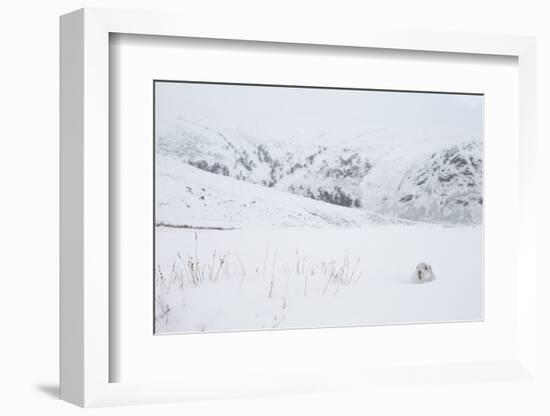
(85, 221)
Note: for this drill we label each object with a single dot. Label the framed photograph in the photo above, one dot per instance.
(302, 207)
(253, 212)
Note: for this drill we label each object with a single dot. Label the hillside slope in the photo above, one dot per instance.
(190, 197)
(444, 186)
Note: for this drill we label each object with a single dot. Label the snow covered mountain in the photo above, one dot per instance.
(444, 187)
(374, 172)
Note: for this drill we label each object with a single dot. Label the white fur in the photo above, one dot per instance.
(423, 274)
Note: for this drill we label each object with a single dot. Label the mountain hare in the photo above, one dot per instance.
(423, 274)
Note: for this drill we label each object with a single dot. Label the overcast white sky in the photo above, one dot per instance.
(303, 114)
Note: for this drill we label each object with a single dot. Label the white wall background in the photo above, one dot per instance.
(29, 207)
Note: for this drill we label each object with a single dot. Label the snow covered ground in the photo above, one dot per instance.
(317, 277)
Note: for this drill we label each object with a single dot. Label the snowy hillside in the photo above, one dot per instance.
(444, 187)
(190, 197)
(378, 171)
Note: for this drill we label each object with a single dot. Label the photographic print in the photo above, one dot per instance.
(279, 207)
